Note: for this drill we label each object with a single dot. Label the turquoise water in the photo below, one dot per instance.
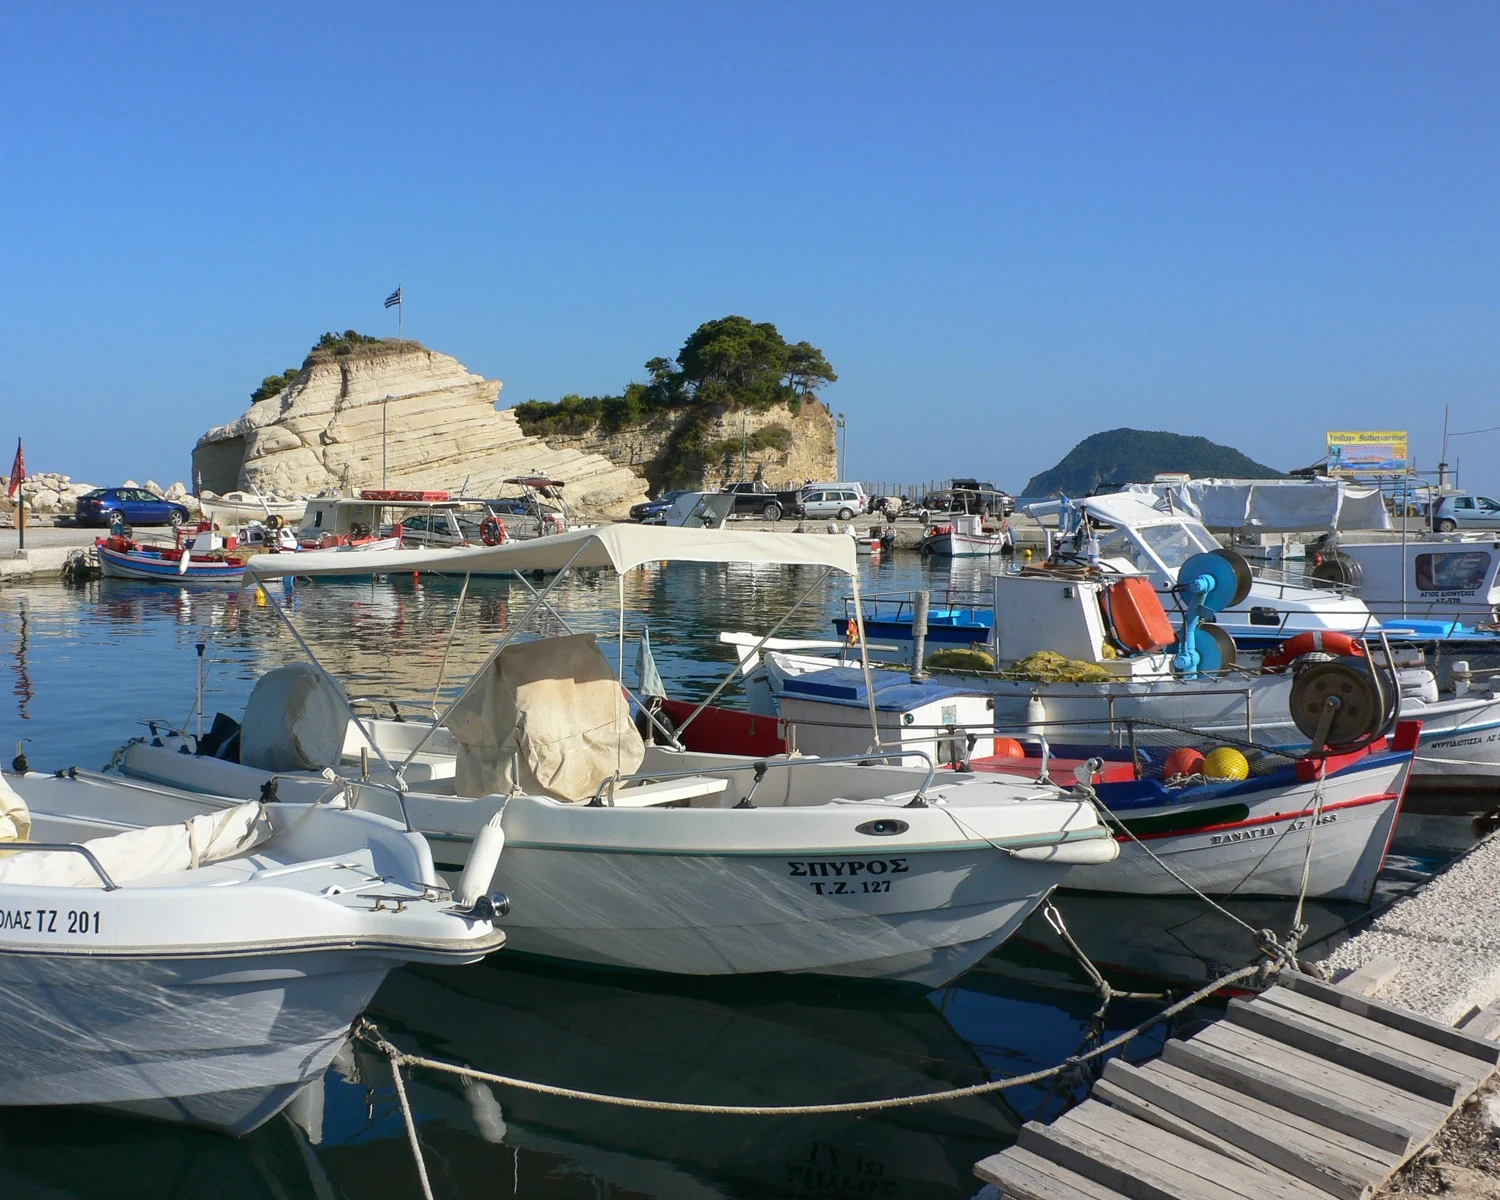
(81, 666)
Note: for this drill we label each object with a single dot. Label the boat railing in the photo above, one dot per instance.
(71, 848)
(604, 794)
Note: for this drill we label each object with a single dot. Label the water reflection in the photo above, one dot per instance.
(748, 1041)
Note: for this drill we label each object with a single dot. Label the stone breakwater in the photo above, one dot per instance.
(396, 410)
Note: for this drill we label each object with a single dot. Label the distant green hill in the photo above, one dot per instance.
(1136, 456)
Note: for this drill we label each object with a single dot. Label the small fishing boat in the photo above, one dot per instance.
(177, 958)
(628, 854)
(122, 557)
(237, 508)
(965, 535)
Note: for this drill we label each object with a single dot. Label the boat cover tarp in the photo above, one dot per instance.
(550, 711)
(1274, 505)
(295, 720)
(615, 547)
(146, 853)
(15, 818)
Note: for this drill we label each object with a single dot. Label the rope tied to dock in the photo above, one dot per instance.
(367, 1032)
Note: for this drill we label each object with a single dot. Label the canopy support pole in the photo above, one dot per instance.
(343, 695)
(510, 636)
(724, 683)
(864, 662)
(437, 688)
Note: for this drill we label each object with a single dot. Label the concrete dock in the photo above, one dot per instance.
(1445, 936)
(47, 548)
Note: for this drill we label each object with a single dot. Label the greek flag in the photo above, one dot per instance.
(394, 298)
(645, 665)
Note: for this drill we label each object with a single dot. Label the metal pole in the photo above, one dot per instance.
(919, 635)
(510, 636)
(384, 405)
(724, 683)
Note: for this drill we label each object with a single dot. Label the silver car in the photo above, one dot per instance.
(1451, 513)
(842, 503)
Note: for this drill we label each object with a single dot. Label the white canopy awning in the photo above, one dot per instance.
(1273, 505)
(617, 547)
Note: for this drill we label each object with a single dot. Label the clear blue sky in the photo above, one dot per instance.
(1007, 226)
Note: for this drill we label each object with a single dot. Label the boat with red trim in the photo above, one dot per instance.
(122, 557)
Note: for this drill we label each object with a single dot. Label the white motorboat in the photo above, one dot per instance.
(167, 956)
(965, 535)
(646, 856)
(238, 508)
(1128, 534)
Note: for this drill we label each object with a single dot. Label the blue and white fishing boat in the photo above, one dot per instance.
(122, 557)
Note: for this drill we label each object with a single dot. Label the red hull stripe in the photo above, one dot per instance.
(1284, 816)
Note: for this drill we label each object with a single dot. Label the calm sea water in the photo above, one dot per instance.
(81, 666)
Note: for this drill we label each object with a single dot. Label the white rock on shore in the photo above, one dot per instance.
(395, 409)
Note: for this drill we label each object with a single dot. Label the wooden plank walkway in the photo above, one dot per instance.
(1307, 1091)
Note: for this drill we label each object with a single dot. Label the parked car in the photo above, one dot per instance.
(756, 499)
(820, 501)
(130, 506)
(866, 504)
(654, 508)
(1451, 513)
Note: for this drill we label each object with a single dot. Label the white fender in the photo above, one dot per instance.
(479, 871)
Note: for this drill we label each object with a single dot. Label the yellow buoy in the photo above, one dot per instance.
(1226, 763)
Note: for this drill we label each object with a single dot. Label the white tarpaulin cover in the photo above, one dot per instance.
(617, 547)
(15, 818)
(554, 709)
(1274, 505)
(295, 720)
(146, 853)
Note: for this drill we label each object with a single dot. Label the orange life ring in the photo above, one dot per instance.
(1293, 648)
(851, 632)
(492, 531)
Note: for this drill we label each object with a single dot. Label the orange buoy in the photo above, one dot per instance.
(1009, 748)
(1183, 761)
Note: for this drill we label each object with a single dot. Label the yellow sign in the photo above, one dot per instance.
(1367, 452)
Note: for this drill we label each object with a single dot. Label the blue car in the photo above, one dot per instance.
(653, 508)
(132, 506)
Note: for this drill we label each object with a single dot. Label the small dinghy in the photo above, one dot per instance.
(183, 960)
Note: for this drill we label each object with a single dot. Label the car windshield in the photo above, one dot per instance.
(96, 494)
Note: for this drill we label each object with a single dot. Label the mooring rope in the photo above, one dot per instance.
(367, 1032)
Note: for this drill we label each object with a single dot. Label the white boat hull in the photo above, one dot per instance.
(781, 887)
(209, 995)
(720, 914)
(965, 545)
(222, 1043)
(1263, 854)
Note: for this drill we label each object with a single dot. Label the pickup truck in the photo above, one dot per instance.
(757, 500)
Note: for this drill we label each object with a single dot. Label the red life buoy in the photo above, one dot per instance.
(1293, 648)
(492, 531)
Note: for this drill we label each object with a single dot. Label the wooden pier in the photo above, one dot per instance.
(1307, 1091)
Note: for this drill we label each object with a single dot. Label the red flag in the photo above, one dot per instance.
(17, 470)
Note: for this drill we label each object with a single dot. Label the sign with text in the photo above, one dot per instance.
(1367, 452)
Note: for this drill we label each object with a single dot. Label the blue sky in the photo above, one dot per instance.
(1007, 226)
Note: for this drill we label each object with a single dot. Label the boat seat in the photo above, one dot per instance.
(669, 791)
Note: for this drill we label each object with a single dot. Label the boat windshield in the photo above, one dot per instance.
(1157, 547)
(1175, 544)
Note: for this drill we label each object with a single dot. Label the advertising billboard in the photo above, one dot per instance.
(1367, 452)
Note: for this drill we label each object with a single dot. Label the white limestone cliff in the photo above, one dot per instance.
(441, 430)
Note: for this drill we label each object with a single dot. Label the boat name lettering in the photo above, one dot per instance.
(44, 920)
(1454, 743)
(848, 867)
(1256, 833)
